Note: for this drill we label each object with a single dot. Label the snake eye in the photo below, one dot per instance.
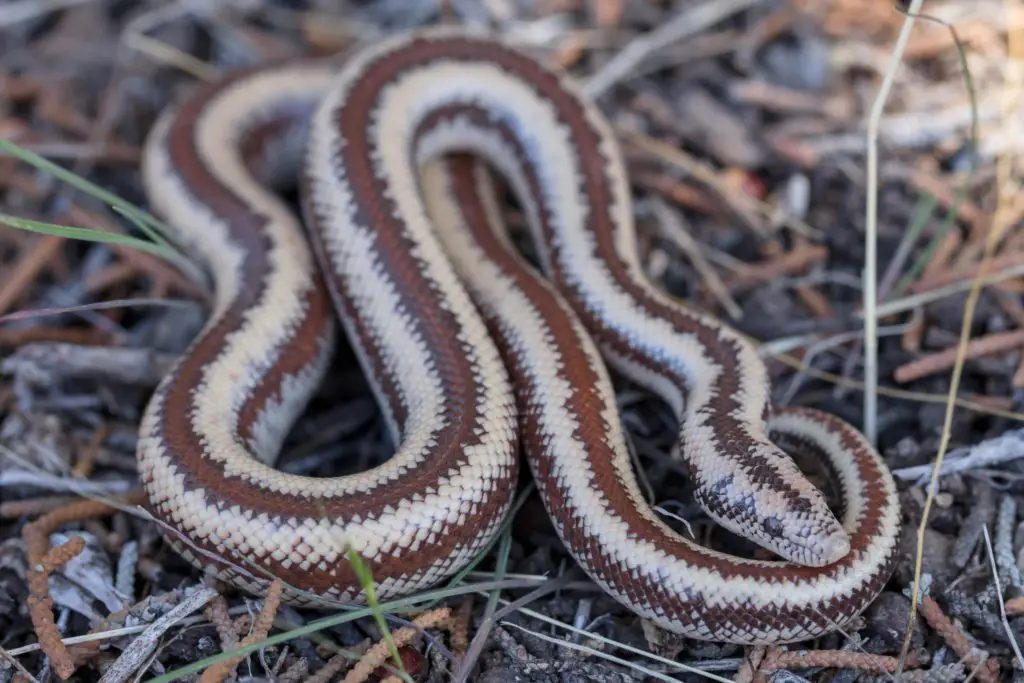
(772, 527)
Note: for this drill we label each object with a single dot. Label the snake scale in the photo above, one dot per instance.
(474, 356)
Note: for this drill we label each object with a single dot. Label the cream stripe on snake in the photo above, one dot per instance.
(409, 247)
(305, 541)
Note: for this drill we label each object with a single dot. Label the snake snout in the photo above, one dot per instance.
(814, 542)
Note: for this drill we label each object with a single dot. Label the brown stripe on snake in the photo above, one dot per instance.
(422, 303)
(726, 567)
(172, 429)
(742, 450)
(578, 371)
(306, 343)
(746, 453)
(360, 197)
(749, 454)
(452, 362)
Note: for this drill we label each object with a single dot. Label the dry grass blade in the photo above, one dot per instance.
(730, 131)
(870, 277)
(1007, 190)
(1010, 636)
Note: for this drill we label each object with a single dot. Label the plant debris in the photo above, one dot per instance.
(744, 126)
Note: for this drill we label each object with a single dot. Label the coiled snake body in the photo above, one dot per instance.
(472, 355)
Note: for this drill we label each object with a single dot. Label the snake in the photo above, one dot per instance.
(478, 354)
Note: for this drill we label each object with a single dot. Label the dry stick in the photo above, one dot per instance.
(141, 649)
(1003, 177)
(671, 226)
(492, 618)
(66, 335)
(296, 672)
(87, 455)
(915, 300)
(892, 392)
(871, 231)
(217, 613)
(816, 302)
(39, 256)
(683, 25)
(1007, 553)
(326, 673)
(134, 38)
(32, 507)
(947, 276)
(751, 664)
(748, 208)
(988, 345)
(458, 627)
(796, 260)
(13, 661)
(137, 367)
(25, 10)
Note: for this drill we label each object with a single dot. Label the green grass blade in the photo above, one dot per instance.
(146, 222)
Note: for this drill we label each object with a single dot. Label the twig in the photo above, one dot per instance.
(791, 262)
(685, 24)
(1003, 448)
(39, 256)
(8, 657)
(217, 613)
(915, 300)
(589, 635)
(136, 655)
(32, 507)
(942, 277)
(10, 478)
(671, 226)
(871, 230)
(1005, 524)
(458, 627)
(333, 666)
(981, 346)
(998, 593)
(749, 208)
(36, 536)
(476, 646)
(135, 367)
(65, 335)
(1011, 95)
(648, 673)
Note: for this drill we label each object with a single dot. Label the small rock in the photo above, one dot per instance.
(501, 674)
(887, 619)
(935, 557)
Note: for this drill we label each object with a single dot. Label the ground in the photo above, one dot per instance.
(747, 131)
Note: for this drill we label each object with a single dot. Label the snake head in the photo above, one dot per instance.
(780, 510)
